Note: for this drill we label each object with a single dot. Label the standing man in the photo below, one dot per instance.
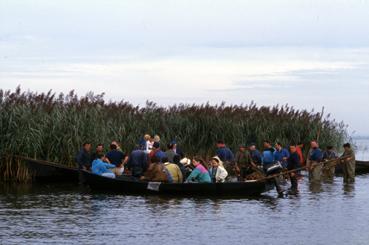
(268, 161)
(314, 164)
(281, 154)
(244, 163)
(223, 152)
(255, 155)
(299, 150)
(293, 163)
(83, 157)
(329, 168)
(348, 165)
(138, 161)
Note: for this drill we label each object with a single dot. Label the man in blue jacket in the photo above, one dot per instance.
(223, 152)
(314, 165)
(138, 161)
(281, 154)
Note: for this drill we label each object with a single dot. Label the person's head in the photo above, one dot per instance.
(220, 143)
(113, 147)
(347, 146)
(197, 161)
(155, 159)
(156, 138)
(314, 144)
(278, 146)
(100, 156)
(292, 148)
(267, 144)
(147, 137)
(215, 162)
(329, 148)
(242, 147)
(173, 144)
(156, 145)
(87, 146)
(252, 147)
(114, 142)
(100, 148)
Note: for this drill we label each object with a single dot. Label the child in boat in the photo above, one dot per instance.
(200, 174)
(217, 171)
(101, 168)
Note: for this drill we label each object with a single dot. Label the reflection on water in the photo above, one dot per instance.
(327, 213)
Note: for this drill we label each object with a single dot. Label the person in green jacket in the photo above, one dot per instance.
(200, 174)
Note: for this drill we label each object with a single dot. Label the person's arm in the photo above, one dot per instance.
(222, 175)
(108, 165)
(194, 174)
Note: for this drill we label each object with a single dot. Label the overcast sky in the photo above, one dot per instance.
(308, 54)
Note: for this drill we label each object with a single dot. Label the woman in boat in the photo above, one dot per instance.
(200, 174)
(102, 168)
(217, 172)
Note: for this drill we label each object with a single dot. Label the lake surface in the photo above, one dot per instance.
(330, 213)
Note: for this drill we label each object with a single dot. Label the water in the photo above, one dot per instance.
(64, 214)
(330, 213)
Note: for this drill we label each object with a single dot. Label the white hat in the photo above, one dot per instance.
(185, 161)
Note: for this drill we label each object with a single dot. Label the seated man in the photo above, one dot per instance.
(115, 156)
(101, 168)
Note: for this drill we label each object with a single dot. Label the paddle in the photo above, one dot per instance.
(299, 169)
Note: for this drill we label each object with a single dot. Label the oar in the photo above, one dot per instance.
(299, 169)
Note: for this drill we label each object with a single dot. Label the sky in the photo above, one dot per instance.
(308, 54)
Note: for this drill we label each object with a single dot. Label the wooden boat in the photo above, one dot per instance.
(362, 167)
(44, 171)
(127, 184)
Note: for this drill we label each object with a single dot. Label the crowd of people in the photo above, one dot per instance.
(149, 162)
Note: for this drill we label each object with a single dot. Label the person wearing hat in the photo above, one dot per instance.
(157, 152)
(217, 172)
(348, 166)
(243, 161)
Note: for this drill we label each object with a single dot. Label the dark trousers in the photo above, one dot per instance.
(294, 183)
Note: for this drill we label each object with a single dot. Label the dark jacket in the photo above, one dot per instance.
(293, 161)
(83, 159)
(225, 154)
(115, 157)
(138, 162)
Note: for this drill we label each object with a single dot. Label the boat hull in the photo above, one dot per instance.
(362, 167)
(129, 185)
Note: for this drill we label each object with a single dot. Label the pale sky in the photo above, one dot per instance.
(308, 54)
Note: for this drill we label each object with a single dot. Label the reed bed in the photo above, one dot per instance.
(53, 126)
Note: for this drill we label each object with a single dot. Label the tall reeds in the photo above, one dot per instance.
(53, 127)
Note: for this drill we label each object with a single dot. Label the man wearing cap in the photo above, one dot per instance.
(138, 161)
(243, 161)
(348, 166)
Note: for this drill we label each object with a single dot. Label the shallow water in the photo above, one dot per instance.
(330, 213)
